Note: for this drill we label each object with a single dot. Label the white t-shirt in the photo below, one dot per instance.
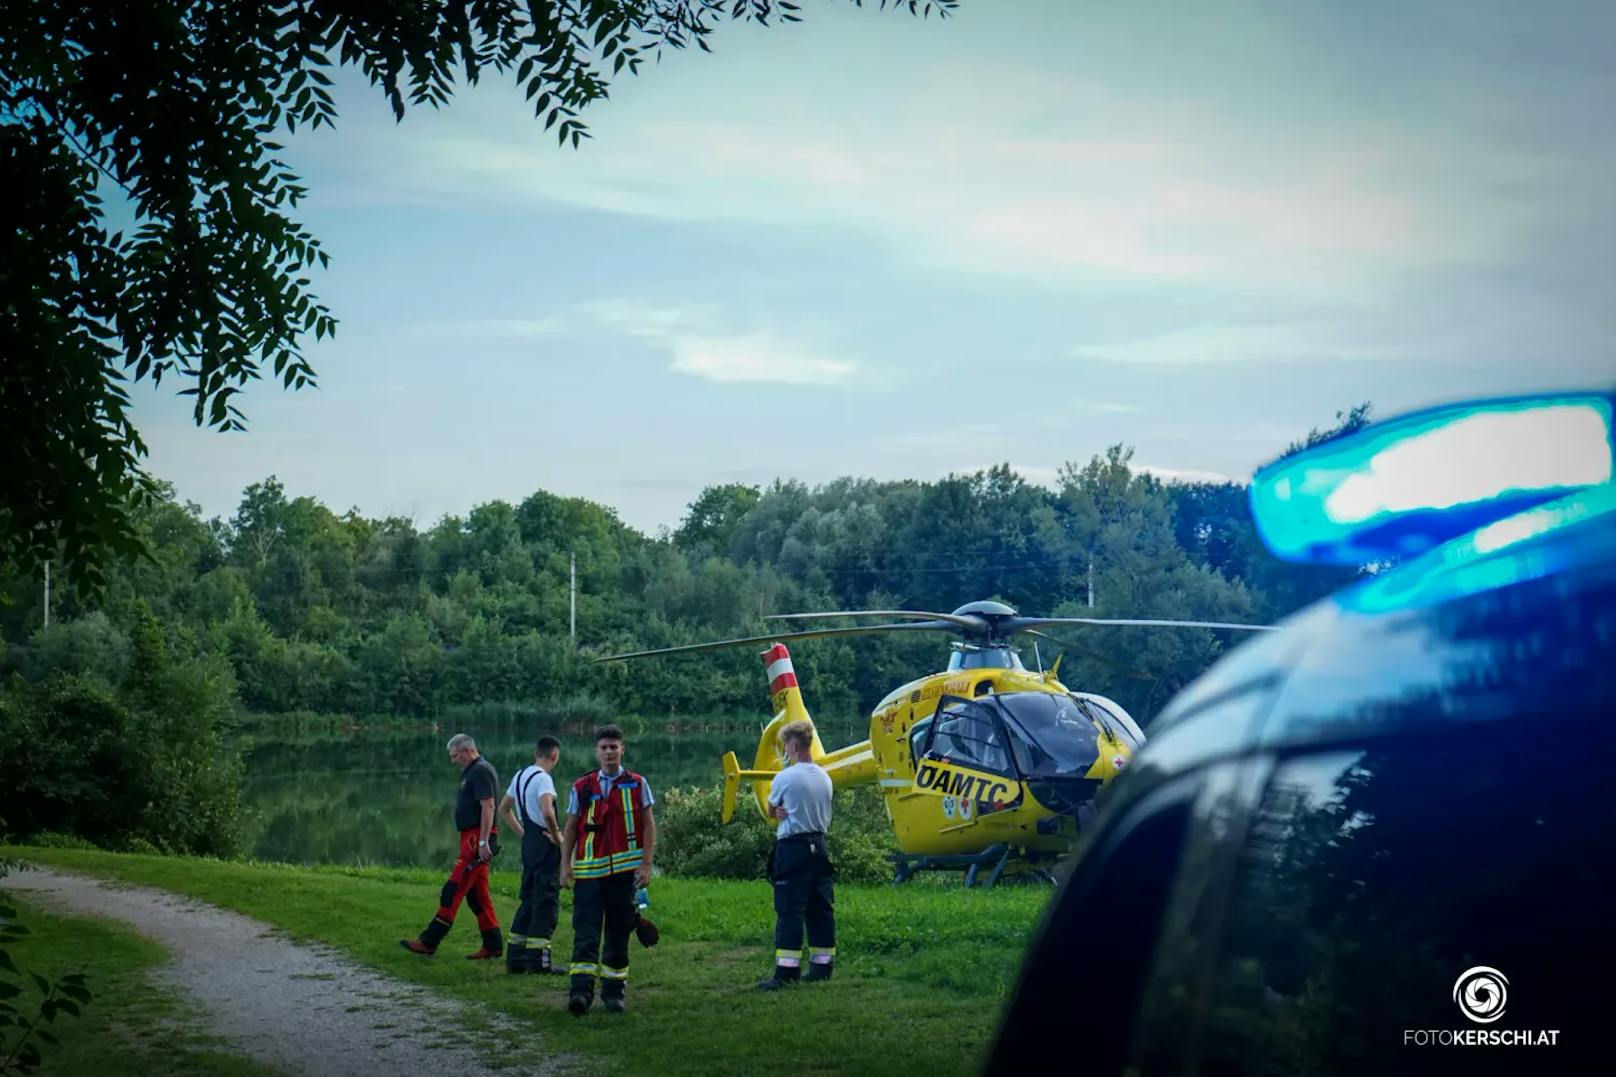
(533, 781)
(805, 790)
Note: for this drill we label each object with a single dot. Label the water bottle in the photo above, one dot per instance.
(642, 900)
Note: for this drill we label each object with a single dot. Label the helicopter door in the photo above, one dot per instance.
(966, 755)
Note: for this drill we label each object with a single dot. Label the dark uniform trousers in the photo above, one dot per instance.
(540, 901)
(801, 871)
(607, 901)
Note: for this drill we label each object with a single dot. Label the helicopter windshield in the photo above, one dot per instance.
(1056, 734)
(984, 658)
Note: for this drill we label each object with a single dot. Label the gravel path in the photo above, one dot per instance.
(304, 1009)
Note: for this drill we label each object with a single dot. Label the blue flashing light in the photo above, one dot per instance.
(1501, 554)
(1402, 487)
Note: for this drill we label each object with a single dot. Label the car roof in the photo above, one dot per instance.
(1507, 620)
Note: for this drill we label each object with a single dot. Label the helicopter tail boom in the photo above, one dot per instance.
(846, 766)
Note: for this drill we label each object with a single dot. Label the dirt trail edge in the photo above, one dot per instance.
(304, 1009)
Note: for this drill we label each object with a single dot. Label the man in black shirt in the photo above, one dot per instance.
(474, 818)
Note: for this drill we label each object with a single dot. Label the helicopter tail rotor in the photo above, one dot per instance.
(733, 776)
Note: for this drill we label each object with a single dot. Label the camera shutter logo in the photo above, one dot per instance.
(1481, 993)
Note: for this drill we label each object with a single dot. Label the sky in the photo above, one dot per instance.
(875, 245)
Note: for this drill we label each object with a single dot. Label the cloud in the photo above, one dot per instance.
(756, 358)
(1171, 474)
(1048, 477)
(641, 319)
(1193, 195)
(717, 357)
(1033, 474)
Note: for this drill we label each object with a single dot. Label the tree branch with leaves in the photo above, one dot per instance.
(173, 108)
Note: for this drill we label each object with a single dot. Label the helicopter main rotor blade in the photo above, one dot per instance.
(818, 633)
(962, 622)
(1136, 674)
(1023, 624)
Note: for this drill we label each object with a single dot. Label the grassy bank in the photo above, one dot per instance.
(922, 969)
(129, 1026)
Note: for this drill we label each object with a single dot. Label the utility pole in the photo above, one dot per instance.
(47, 594)
(1091, 583)
(573, 627)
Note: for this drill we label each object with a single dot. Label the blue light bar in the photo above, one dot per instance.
(1401, 487)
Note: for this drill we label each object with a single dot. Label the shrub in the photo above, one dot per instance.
(146, 761)
(691, 841)
(91, 646)
(579, 709)
(55, 839)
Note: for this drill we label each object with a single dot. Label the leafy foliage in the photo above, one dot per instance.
(142, 762)
(172, 108)
(692, 842)
(318, 612)
(21, 1034)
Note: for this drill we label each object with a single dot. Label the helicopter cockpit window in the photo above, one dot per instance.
(970, 733)
(1057, 735)
(984, 658)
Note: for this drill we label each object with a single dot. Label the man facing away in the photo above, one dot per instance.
(468, 880)
(605, 854)
(532, 796)
(799, 865)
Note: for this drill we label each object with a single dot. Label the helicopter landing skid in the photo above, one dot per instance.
(1001, 861)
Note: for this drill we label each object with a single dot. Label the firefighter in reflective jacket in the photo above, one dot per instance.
(605, 855)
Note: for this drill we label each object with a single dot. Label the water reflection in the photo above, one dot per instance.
(385, 794)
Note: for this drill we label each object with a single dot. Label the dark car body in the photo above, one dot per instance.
(1336, 826)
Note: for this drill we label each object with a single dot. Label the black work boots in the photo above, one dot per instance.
(493, 945)
(784, 975)
(427, 943)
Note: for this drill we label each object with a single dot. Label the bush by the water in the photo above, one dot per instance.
(691, 840)
(139, 763)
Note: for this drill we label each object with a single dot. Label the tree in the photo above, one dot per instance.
(712, 517)
(172, 108)
(1214, 525)
(1346, 422)
(1124, 521)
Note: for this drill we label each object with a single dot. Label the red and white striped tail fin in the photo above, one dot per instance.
(788, 707)
(784, 694)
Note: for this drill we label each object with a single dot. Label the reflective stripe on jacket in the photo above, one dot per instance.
(611, 826)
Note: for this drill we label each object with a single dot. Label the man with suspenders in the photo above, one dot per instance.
(532, 793)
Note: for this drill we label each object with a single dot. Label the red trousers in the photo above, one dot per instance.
(468, 881)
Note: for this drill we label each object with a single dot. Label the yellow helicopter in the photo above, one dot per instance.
(986, 765)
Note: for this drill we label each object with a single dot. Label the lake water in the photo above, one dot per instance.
(384, 794)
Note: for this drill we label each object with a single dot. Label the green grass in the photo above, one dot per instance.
(922, 969)
(128, 1026)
